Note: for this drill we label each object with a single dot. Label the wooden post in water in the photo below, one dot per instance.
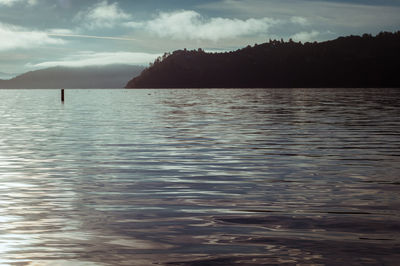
(62, 95)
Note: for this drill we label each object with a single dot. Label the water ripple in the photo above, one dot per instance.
(200, 177)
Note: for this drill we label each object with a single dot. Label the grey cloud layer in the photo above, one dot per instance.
(327, 13)
(182, 24)
(112, 30)
(188, 24)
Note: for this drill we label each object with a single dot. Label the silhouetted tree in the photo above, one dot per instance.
(353, 61)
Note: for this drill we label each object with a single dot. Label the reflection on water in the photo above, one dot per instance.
(199, 177)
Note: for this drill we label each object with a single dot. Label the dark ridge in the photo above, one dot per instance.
(112, 76)
(353, 61)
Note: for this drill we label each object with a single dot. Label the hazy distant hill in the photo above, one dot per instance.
(114, 76)
(7, 75)
(352, 61)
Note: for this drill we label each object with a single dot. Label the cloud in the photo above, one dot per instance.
(190, 25)
(8, 2)
(321, 12)
(13, 2)
(102, 15)
(300, 21)
(305, 36)
(72, 35)
(60, 31)
(13, 37)
(95, 59)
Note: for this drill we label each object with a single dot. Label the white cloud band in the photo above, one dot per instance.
(95, 59)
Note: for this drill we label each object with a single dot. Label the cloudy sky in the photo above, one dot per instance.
(43, 33)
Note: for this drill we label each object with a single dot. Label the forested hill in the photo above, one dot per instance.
(354, 61)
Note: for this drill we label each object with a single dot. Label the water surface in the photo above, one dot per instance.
(200, 177)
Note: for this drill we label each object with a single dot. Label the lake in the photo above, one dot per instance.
(200, 177)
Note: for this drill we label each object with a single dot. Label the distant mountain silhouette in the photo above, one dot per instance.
(113, 76)
(354, 61)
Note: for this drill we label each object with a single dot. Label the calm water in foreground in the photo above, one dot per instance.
(200, 177)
